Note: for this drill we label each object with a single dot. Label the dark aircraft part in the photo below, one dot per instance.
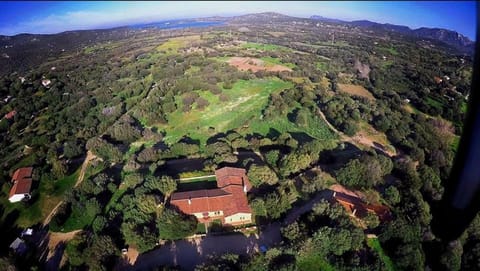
(461, 201)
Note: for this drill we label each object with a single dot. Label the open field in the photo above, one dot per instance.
(172, 45)
(254, 64)
(355, 90)
(264, 47)
(246, 99)
(367, 135)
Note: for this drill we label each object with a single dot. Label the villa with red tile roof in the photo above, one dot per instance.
(227, 203)
(22, 182)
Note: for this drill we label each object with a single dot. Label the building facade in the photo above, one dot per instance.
(227, 203)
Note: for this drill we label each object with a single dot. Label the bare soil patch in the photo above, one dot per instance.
(57, 238)
(255, 64)
(341, 189)
(356, 90)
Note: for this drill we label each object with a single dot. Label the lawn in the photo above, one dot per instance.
(270, 61)
(264, 47)
(245, 101)
(313, 262)
(316, 127)
(375, 245)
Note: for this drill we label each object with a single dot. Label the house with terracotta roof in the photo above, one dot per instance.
(227, 203)
(22, 183)
(356, 207)
(10, 114)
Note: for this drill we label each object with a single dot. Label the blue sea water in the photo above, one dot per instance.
(177, 24)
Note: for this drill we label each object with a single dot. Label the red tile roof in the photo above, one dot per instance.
(230, 197)
(351, 203)
(22, 181)
(10, 114)
(230, 175)
(22, 173)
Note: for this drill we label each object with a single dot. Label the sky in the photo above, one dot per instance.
(53, 17)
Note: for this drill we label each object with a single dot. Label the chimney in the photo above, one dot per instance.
(189, 201)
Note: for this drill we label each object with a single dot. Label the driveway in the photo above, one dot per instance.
(188, 253)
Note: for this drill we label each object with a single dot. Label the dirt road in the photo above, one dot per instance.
(81, 176)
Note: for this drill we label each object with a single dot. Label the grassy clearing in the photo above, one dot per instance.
(270, 61)
(201, 179)
(434, 102)
(455, 143)
(172, 45)
(116, 196)
(366, 130)
(375, 245)
(389, 50)
(264, 47)
(464, 107)
(313, 262)
(245, 101)
(323, 66)
(316, 127)
(356, 90)
(194, 174)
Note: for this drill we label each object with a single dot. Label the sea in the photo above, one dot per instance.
(177, 24)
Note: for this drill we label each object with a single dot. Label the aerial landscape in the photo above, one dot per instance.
(256, 141)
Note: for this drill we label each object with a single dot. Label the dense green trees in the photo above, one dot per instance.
(173, 225)
(262, 174)
(365, 172)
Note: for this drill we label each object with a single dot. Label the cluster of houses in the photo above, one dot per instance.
(228, 202)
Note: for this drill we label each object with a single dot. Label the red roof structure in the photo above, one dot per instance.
(10, 114)
(22, 181)
(361, 208)
(228, 199)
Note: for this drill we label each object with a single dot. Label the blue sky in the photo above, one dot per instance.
(54, 17)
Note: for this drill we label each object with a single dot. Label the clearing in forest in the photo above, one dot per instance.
(173, 44)
(231, 109)
(255, 64)
(356, 90)
(367, 135)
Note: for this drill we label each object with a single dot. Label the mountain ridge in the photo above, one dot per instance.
(450, 37)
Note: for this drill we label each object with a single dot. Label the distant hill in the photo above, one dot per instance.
(452, 38)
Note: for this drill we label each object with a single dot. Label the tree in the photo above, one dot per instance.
(261, 174)
(337, 241)
(99, 224)
(173, 225)
(432, 184)
(352, 174)
(371, 220)
(101, 248)
(166, 184)
(292, 231)
(392, 195)
(271, 157)
(71, 149)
